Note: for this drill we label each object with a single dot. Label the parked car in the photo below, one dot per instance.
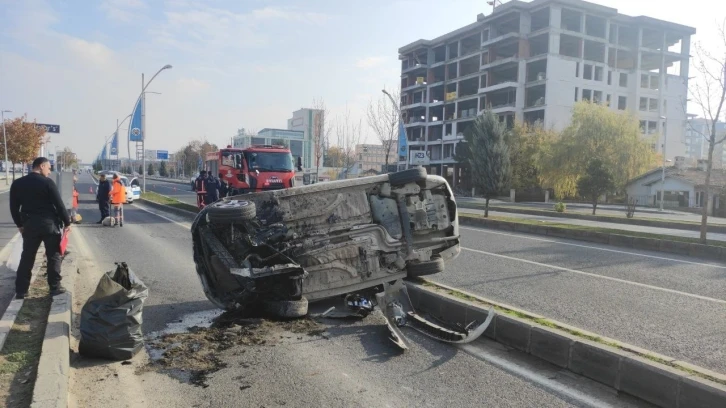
(135, 189)
(192, 180)
(280, 249)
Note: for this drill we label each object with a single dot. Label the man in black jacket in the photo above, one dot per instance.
(40, 215)
(212, 187)
(102, 196)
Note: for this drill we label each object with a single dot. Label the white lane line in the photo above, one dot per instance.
(594, 247)
(594, 275)
(181, 224)
(534, 377)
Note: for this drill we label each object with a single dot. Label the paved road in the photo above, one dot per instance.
(611, 225)
(356, 366)
(669, 304)
(7, 232)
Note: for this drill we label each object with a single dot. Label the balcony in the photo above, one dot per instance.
(500, 61)
(507, 36)
(499, 86)
(414, 68)
(414, 105)
(504, 108)
(417, 85)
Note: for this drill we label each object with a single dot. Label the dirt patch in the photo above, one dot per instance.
(21, 353)
(193, 355)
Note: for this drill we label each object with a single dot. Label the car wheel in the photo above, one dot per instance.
(417, 269)
(289, 309)
(407, 176)
(226, 211)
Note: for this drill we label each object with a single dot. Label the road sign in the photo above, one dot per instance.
(49, 128)
(419, 157)
(162, 155)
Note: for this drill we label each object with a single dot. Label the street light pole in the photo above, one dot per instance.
(663, 168)
(5, 143)
(143, 123)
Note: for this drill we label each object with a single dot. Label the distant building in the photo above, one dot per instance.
(373, 157)
(697, 132)
(304, 120)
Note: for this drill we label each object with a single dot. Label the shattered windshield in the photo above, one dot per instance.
(269, 161)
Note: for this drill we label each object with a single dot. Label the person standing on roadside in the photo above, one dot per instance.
(41, 216)
(223, 188)
(102, 196)
(200, 187)
(118, 198)
(212, 186)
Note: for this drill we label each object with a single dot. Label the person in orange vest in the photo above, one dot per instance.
(74, 209)
(200, 184)
(118, 198)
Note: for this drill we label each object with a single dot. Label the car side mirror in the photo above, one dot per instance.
(299, 163)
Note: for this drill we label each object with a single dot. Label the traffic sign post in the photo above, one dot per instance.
(48, 128)
(162, 155)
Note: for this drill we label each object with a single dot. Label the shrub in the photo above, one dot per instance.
(560, 207)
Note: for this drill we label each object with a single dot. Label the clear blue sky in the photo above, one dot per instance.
(250, 63)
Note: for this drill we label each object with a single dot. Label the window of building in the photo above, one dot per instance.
(652, 127)
(586, 94)
(577, 91)
(623, 79)
(587, 72)
(643, 104)
(654, 82)
(643, 124)
(644, 81)
(653, 105)
(577, 70)
(599, 74)
(597, 97)
(610, 77)
(608, 99)
(622, 103)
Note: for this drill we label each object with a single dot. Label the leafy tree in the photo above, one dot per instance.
(596, 132)
(598, 180)
(335, 157)
(162, 169)
(151, 169)
(141, 168)
(23, 140)
(527, 143)
(487, 154)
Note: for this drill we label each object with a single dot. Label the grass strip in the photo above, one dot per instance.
(20, 355)
(553, 325)
(588, 228)
(168, 201)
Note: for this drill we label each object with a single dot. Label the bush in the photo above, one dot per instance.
(560, 207)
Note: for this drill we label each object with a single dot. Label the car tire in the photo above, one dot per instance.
(424, 268)
(287, 309)
(407, 176)
(226, 211)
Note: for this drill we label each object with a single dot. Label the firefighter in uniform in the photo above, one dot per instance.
(200, 186)
(212, 187)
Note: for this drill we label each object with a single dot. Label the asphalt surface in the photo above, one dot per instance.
(672, 305)
(353, 365)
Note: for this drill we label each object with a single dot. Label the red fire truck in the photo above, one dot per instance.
(255, 168)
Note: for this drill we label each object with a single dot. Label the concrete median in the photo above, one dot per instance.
(657, 379)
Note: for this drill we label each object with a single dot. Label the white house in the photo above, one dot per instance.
(684, 187)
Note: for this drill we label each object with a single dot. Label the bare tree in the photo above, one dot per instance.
(348, 134)
(321, 132)
(709, 94)
(382, 117)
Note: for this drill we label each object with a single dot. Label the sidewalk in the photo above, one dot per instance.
(603, 209)
(609, 225)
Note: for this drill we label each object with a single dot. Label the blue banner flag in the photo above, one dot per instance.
(402, 143)
(114, 144)
(104, 155)
(135, 134)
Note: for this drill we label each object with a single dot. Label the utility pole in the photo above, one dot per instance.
(143, 134)
(5, 142)
(663, 167)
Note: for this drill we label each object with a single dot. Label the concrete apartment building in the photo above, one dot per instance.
(373, 157)
(304, 120)
(697, 130)
(531, 61)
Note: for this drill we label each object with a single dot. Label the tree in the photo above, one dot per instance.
(141, 169)
(151, 171)
(487, 154)
(162, 169)
(67, 158)
(348, 135)
(526, 144)
(97, 165)
(382, 117)
(321, 132)
(596, 132)
(709, 94)
(193, 153)
(598, 180)
(23, 140)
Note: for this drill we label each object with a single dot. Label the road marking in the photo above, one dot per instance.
(181, 224)
(536, 378)
(594, 275)
(594, 247)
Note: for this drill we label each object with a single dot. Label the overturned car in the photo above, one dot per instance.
(280, 249)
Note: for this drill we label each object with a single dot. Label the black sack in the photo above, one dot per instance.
(111, 318)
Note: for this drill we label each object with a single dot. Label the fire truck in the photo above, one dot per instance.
(255, 168)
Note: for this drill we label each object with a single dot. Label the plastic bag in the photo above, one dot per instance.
(111, 318)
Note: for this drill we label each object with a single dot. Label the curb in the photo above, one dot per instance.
(624, 371)
(599, 218)
(51, 383)
(701, 251)
(168, 208)
(11, 313)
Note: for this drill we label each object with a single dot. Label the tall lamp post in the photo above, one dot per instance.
(400, 120)
(663, 168)
(5, 143)
(143, 123)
